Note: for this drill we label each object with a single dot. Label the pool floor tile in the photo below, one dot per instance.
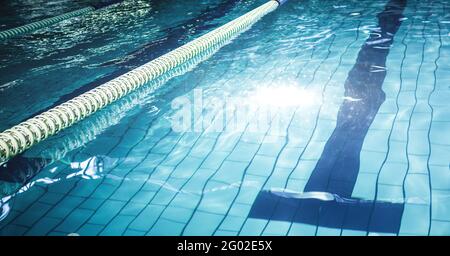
(43, 226)
(440, 201)
(440, 177)
(362, 188)
(243, 152)
(117, 226)
(65, 207)
(440, 228)
(177, 214)
(253, 227)
(275, 227)
(389, 193)
(261, 165)
(33, 214)
(417, 188)
(323, 231)
(214, 160)
(289, 157)
(143, 197)
(165, 227)
(74, 220)
(106, 212)
(203, 223)
(230, 171)
(415, 219)
(146, 218)
(132, 209)
(232, 223)
(226, 233)
(90, 229)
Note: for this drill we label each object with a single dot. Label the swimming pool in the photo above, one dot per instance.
(324, 118)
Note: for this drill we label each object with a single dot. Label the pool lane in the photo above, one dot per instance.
(337, 169)
(154, 182)
(175, 37)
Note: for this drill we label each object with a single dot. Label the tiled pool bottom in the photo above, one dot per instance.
(140, 177)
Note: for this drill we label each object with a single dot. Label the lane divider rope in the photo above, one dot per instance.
(50, 21)
(56, 148)
(43, 23)
(20, 137)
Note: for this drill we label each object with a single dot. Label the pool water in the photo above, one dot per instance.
(324, 118)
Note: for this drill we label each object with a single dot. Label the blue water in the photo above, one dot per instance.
(324, 118)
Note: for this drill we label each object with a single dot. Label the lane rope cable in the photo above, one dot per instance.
(50, 21)
(20, 137)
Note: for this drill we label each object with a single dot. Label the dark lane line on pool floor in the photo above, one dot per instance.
(337, 169)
